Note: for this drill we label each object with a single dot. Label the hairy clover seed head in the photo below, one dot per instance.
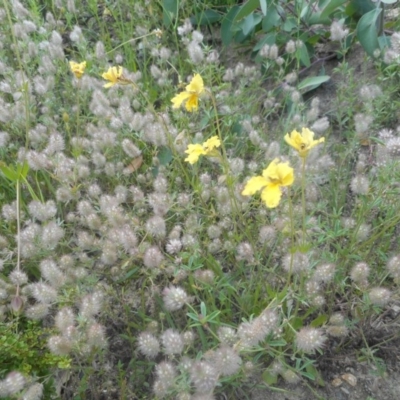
(172, 342)
(228, 362)
(360, 184)
(174, 298)
(203, 376)
(379, 296)
(309, 339)
(148, 344)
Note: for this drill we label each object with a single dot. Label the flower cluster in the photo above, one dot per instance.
(194, 151)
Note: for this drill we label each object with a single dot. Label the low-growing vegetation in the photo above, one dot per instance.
(182, 215)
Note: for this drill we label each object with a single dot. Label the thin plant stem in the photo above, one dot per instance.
(18, 189)
(303, 196)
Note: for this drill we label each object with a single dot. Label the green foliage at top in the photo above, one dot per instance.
(260, 22)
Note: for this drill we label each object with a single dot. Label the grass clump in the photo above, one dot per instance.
(179, 227)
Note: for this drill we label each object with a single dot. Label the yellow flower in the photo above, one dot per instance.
(303, 142)
(77, 69)
(277, 174)
(113, 75)
(194, 151)
(190, 95)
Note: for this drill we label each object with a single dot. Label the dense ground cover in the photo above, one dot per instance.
(184, 219)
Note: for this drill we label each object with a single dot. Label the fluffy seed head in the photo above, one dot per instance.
(359, 273)
(309, 339)
(153, 257)
(148, 345)
(174, 298)
(156, 227)
(393, 266)
(324, 273)
(290, 376)
(166, 373)
(379, 296)
(337, 330)
(59, 345)
(299, 264)
(35, 392)
(360, 184)
(14, 382)
(203, 376)
(172, 342)
(96, 336)
(227, 360)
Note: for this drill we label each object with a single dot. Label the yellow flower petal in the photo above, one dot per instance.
(192, 103)
(77, 69)
(194, 151)
(179, 99)
(112, 75)
(196, 85)
(277, 174)
(191, 94)
(211, 143)
(271, 195)
(302, 142)
(254, 185)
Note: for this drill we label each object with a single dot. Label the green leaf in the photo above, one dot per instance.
(207, 17)
(303, 54)
(290, 24)
(313, 82)
(226, 25)
(367, 32)
(297, 323)
(314, 375)
(319, 321)
(9, 173)
(268, 378)
(170, 10)
(249, 23)
(331, 7)
(246, 9)
(271, 19)
(263, 5)
(269, 38)
(164, 156)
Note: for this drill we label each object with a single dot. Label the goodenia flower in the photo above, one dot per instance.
(191, 94)
(302, 142)
(194, 151)
(78, 69)
(277, 174)
(113, 76)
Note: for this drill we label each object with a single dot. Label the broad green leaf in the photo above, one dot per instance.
(263, 5)
(246, 9)
(208, 17)
(270, 39)
(367, 32)
(271, 19)
(170, 10)
(250, 22)
(331, 7)
(226, 25)
(363, 7)
(164, 156)
(312, 82)
(303, 54)
(289, 24)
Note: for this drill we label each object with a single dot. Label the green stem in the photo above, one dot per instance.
(303, 196)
